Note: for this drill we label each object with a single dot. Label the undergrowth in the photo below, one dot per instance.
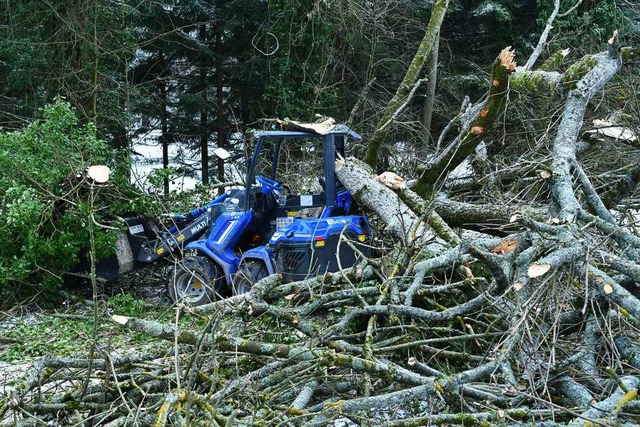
(67, 332)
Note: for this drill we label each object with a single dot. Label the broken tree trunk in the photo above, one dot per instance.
(481, 118)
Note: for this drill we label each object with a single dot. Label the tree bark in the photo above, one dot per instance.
(164, 120)
(220, 101)
(204, 110)
(543, 37)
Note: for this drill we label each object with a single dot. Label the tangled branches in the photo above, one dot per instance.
(475, 333)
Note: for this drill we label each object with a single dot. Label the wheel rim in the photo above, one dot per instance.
(243, 287)
(248, 275)
(191, 289)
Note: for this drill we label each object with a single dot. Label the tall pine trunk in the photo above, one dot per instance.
(204, 115)
(219, 100)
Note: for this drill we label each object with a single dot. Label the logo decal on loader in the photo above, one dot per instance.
(198, 227)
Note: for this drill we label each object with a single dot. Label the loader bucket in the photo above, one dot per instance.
(121, 262)
(124, 260)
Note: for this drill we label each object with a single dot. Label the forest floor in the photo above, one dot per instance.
(29, 331)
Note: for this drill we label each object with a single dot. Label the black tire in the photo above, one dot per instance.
(195, 281)
(247, 275)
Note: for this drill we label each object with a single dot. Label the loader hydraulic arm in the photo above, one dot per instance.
(188, 228)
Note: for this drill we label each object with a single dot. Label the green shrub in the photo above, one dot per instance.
(127, 305)
(45, 206)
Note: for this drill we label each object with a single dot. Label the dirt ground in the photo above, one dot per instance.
(147, 284)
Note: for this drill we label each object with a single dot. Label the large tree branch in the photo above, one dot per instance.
(565, 203)
(536, 81)
(488, 218)
(543, 37)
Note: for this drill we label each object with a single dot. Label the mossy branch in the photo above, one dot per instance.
(471, 136)
(404, 90)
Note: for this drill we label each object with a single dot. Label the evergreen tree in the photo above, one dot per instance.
(75, 49)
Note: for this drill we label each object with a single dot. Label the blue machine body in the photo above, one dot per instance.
(228, 227)
(261, 224)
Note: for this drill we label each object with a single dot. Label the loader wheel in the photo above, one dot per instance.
(194, 280)
(247, 275)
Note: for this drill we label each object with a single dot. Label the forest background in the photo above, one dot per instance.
(203, 72)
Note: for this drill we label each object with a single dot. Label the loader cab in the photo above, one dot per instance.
(303, 164)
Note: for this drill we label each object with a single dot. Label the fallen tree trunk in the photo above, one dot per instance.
(399, 219)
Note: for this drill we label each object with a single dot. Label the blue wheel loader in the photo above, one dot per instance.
(292, 217)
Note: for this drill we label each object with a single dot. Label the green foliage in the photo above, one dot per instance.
(593, 20)
(73, 49)
(300, 82)
(157, 177)
(496, 9)
(45, 198)
(127, 305)
(185, 201)
(69, 332)
(46, 335)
